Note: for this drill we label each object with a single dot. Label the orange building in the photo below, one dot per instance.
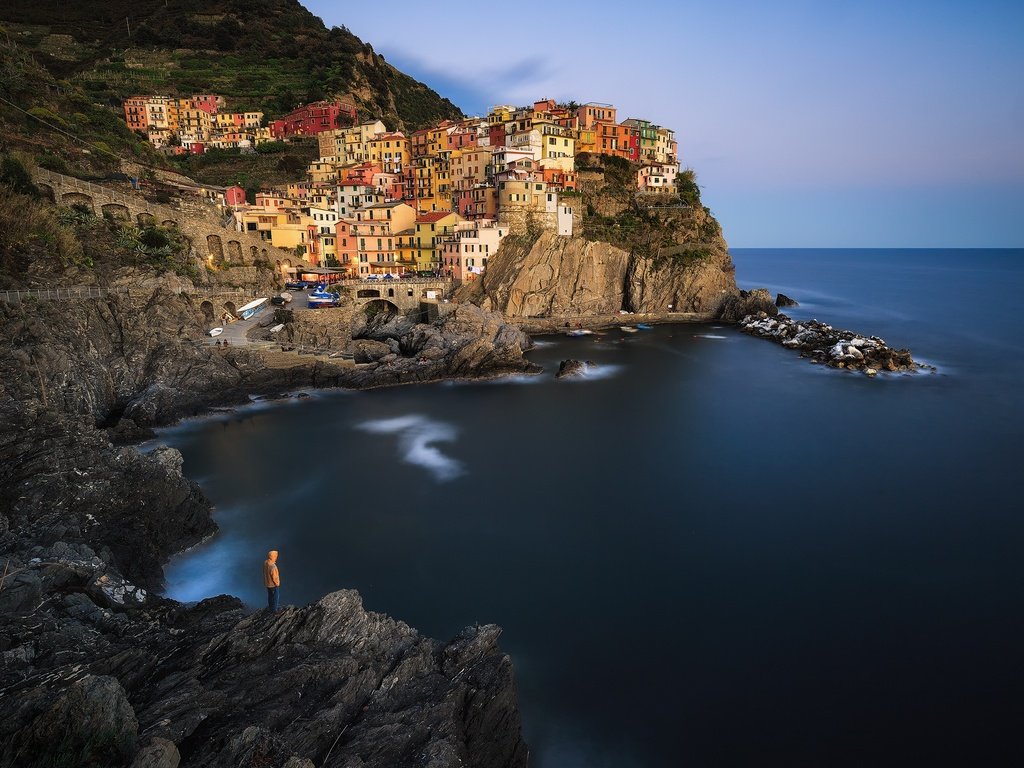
(135, 113)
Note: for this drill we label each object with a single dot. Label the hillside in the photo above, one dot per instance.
(268, 55)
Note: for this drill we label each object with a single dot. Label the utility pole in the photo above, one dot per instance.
(129, 26)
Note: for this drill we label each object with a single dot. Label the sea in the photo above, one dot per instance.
(707, 551)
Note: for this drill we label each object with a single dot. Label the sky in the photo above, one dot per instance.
(809, 123)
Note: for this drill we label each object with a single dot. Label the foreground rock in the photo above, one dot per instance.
(834, 347)
(330, 683)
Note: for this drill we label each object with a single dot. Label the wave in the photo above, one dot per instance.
(417, 436)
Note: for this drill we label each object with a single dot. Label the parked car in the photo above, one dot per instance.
(408, 276)
(372, 277)
(278, 301)
(296, 285)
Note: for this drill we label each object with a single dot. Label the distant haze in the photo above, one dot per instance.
(809, 124)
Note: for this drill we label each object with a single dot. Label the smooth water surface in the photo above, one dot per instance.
(707, 552)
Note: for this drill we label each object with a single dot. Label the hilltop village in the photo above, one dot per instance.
(379, 202)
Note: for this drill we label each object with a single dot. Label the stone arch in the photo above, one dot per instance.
(146, 219)
(380, 307)
(234, 252)
(215, 248)
(47, 190)
(229, 307)
(170, 223)
(367, 293)
(116, 211)
(207, 309)
(77, 198)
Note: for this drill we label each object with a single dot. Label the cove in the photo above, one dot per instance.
(709, 551)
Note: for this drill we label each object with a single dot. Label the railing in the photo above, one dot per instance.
(57, 294)
(96, 292)
(55, 180)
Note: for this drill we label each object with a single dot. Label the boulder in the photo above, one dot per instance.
(782, 300)
(735, 307)
(571, 367)
(157, 753)
(368, 351)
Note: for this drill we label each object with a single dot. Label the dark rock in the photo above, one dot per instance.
(89, 722)
(157, 753)
(782, 300)
(735, 307)
(368, 351)
(572, 368)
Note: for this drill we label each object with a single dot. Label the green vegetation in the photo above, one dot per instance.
(268, 55)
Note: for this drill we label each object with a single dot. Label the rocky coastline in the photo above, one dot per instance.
(99, 669)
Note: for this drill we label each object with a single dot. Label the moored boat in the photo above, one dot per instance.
(579, 332)
(644, 326)
(627, 329)
(250, 309)
(215, 331)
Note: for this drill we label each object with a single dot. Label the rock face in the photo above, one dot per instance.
(555, 276)
(834, 347)
(97, 670)
(736, 307)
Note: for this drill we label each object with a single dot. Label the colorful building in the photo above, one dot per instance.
(466, 251)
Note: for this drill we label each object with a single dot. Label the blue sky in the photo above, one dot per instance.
(810, 124)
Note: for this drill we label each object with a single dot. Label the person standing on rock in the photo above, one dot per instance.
(272, 580)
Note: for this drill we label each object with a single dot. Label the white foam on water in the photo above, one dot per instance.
(417, 436)
(709, 336)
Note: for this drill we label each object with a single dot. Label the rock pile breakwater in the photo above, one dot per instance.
(834, 347)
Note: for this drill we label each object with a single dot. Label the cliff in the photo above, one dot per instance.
(629, 252)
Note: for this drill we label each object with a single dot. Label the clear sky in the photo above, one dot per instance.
(810, 123)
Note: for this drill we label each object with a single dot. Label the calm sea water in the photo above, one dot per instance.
(709, 552)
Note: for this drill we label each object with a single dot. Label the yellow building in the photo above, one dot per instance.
(431, 228)
(391, 151)
(379, 229)
(322, 171)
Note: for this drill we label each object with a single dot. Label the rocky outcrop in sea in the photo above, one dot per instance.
(834, 347)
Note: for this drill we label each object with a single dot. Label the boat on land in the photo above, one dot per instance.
(321, 297)
(252, 308)
(579, 332)
(215, 331)
(644, 326)
(627, 329)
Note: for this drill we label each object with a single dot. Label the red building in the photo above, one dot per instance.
(206, 102)
(314, 118)
(234, 196)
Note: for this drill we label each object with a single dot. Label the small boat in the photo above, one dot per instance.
(277, 328)
(215, 331)
(321, 298)
(627, 329)
(579, 332)
(644, 326)
(251, 308)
